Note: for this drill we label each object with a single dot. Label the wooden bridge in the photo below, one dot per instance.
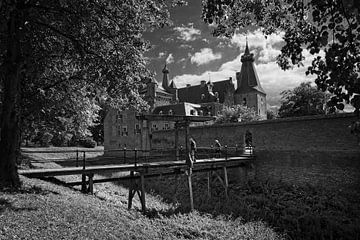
(138, 172)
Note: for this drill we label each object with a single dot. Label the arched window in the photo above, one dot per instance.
(171, 112)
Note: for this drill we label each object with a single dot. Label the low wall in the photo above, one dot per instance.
(317, 150)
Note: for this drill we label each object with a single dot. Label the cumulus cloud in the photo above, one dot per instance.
(205, 56)
(267, 50)
(170, 59)
(187, 33)
(161, 55)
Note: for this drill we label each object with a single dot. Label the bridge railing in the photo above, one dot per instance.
(82, 157)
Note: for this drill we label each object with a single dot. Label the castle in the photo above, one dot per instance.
(123, 129)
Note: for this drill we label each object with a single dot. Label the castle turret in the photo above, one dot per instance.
(165, 81)
(249, 91)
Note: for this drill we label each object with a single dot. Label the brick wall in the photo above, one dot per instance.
(308, 150)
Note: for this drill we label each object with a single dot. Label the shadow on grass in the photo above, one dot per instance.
(7, 205)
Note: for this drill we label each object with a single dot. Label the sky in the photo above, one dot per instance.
(192, 54)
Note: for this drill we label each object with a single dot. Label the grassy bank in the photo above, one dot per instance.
(302, 212)
(42, 210)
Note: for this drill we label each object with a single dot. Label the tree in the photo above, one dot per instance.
(301, 101)
(270, 114)
(86, 46)
(328, 25)
(237, 113)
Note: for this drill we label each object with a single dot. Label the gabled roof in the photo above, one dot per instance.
(172, 85)
(193, 93)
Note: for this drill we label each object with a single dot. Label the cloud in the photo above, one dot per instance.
(205, 56)
(187, 33)
(170, 59)
(266, 46)
(161, 55)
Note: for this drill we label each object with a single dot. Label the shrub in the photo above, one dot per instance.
(46, 139)
(88, 143)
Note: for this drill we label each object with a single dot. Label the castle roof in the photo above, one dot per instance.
(248, 80)
(177, 109)
(193, 93)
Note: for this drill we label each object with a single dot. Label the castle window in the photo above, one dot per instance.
(119, 130)
(119, 118)
(137, 129)
(124, 131)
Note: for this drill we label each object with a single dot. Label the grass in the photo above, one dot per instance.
(299, 212)
(302, 212)
(42, 210)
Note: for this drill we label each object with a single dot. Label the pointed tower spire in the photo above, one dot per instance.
(247, 79)
(165, 81)
(247, 52)
(247, 55)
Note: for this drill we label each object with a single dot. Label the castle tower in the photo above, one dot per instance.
(165, 81)
(249, 91)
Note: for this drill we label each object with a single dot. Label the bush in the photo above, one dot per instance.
(88, 143)
(46, 139)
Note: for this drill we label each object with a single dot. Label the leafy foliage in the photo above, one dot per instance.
(58, 57)
(237, 113)
(301, 101)
(331, 26)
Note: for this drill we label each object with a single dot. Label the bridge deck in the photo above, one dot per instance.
(139, 167)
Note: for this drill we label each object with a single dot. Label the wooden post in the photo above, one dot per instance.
(209, 184)
(131, 190)
(177, 142)
(83, 177)
(187, 131)
(190, 189)
(142, 198)
(77, 158)
(91, 183)
(226, 183)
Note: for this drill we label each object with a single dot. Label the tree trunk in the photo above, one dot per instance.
(11, 75)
